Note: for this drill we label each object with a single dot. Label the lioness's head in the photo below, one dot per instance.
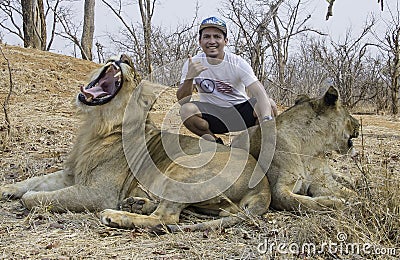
(326, 121)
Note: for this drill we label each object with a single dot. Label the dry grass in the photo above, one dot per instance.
(43, 124)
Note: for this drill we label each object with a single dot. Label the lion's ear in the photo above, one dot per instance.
(331, 96)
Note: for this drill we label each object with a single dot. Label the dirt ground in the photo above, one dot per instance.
(43, 124)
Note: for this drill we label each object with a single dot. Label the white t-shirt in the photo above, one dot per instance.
(223, 84)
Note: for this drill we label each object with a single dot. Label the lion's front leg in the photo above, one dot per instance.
(77, 198)
(166, 213)
(123, 219)
(49, 182)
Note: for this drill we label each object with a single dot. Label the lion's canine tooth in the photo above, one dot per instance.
(108, 64)
(118, 74)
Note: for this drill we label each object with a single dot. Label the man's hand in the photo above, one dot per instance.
(194, 69)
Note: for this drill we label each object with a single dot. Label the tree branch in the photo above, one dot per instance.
(7, 99)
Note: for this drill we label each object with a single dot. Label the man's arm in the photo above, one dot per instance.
(263, 107)
(185, 90)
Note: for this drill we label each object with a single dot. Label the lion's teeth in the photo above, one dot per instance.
(118, 74)
(89, 99)
(108, 64)
(115, 66)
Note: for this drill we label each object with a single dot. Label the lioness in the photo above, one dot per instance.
(102, 169)
(299, 175)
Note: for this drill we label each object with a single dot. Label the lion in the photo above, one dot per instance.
(300, 176)
(120, 159)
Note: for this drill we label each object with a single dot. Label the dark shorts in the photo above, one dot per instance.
(228, 119)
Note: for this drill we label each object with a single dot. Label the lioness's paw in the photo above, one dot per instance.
(138, 205)
(330, 202)
(115, 218)
(10, 192)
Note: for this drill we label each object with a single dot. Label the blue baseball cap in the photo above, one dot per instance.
(213, 22)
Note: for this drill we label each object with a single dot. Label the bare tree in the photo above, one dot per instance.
(129, 39)
(56, 12)
(88, 30)
(146, 8)
(11, 13)
(346, 64)
(266, 29)
(329, 13)
(70, 30)
(252, 22)
(34, 24)
(391, 45)
(6, 102)
(287, 24)
(53, 10)
(154, 46)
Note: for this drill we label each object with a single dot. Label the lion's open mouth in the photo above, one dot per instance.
(101, 90)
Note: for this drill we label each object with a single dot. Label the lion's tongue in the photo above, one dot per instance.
(94, 92)
(104, 87)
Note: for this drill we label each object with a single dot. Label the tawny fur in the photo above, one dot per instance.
(114, 147)
(300, 176)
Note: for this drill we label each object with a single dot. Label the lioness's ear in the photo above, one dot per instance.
(331, 96)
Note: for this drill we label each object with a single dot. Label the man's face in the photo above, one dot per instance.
(212, 41)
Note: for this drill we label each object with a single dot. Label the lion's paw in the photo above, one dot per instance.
(115, 218)
(138, 205)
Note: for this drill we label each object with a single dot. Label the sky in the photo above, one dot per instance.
(170, 13)
(346, 12)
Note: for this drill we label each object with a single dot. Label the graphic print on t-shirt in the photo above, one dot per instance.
(209, 85)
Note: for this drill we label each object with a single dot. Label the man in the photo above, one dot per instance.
(221, 79)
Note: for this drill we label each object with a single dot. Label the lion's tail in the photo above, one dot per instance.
(220, 223)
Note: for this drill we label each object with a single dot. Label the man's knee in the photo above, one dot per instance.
(187, 110)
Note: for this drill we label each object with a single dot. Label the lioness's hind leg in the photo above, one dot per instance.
(138, 205)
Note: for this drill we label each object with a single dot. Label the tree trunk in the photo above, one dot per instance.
(88, 30)
(395, 70)
(146, 12)
(396, 83)
(34, 24)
